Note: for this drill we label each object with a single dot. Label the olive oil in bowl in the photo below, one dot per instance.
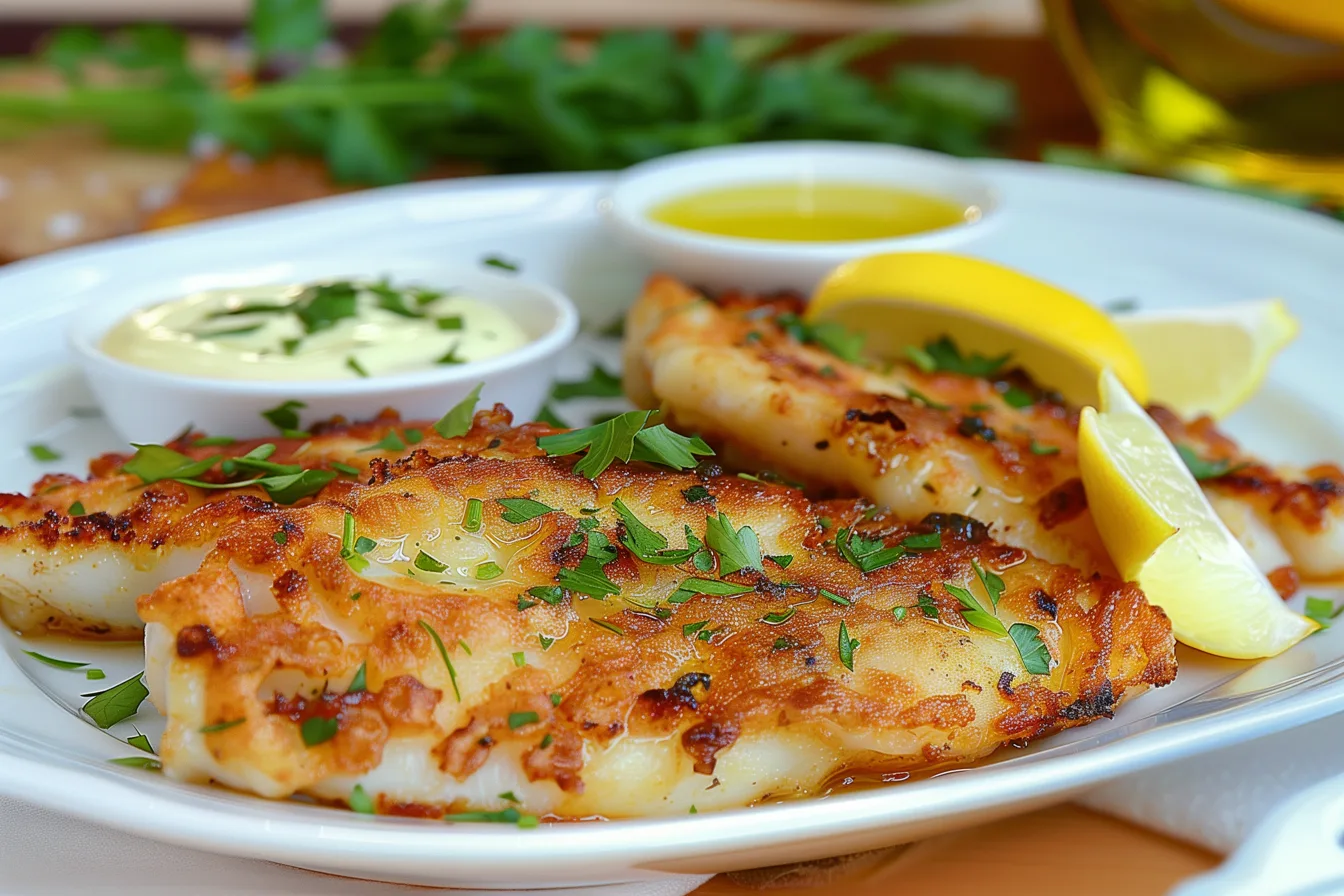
(819, 212)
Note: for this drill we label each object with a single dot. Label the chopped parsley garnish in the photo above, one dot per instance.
(1043, 450)
(390, 442)
(1203, 469)
(345, 469)
(360, 682)
(1018, 398)
(509, 797)
(835, 338)
(943, 356)
(778, 618)
(1318, 610)
(623, 438)
(360, 801)
(457, 422)
(453, 322)
(588, 578)
(154, 463)
(928, 541)
(489, 570)
(413, 436)
(321, 306)
(117, 703)
(494, 261)
(149, 763)
(94, 674)
(545, 642)
(471, 520)
(426, 563)
(899, 612)
(353, 363)
(503, 816)
(318, 730)
(973, 612)
(783, 644)
(609, 626)
(280, 537)
(42, 453)
(780, 560)
(522, 510)
(552, 594)
(53, 662)
(926, 605)
(691, 629)
(519, 719)
(697, 494)
(691, 587)
(847, 647)
(598, 384)
(868, 554)
(738, 549)
(141, 742)
(1035, 656)
(285, 416)
(990, 581)
(834, 598)
(221, 726)
(353, 549)
(77, 509)
(443, 652)
(918, 396)
(520, 659)
(650, 546)
(213, 441)
(451, 357)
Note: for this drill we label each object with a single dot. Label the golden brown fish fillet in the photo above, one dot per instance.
(467, 659)
(999, 448)
(80, 574)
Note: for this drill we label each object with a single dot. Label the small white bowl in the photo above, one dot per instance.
(146, 405)
(721, 262)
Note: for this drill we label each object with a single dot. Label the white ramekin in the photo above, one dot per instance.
(146, 405)
(721, 262)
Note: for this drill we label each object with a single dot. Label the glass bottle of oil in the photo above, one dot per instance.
(1240, 90)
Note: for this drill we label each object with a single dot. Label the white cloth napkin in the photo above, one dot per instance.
(1213, 800)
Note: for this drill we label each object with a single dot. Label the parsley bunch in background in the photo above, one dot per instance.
(416, 93)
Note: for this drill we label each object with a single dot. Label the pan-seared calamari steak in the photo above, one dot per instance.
(769, 391)
(631, 645)
(76, 554)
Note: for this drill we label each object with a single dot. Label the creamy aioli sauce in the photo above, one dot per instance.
(339, 330)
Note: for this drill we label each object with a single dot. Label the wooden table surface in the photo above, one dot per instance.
(1061, 851)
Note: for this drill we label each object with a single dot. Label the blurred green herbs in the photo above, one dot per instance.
(415, 93)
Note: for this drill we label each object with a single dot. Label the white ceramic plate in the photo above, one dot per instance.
(1103, 236)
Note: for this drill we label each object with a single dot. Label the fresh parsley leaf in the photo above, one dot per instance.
(488, 570)
(1200, 468)
(519, 659)
(53, 662)
(598, 384)
(360, 682)
(780, 560)
(691, 629)
(154, 463)
(697, 494)
(280, 537)
(606, 443)
(351, 546)
(457, 422)
(318, 730)
(973, 612)
(545, 642)
(689, 588)
(503, 816)
(928, 541)
(847, 647)
(1035, 655)
(1018, 398)
(117, 703)
(140, 742)
(552, 594)
(390, 442)
(345, 469)
(834, 598)
(361, 802)
(451, 323)
(650, 546)
(1043, 450)
(471, 520)
(426, 563)
(609, 626)
(148, 763)
(899, 612)
(926, 605)
(917, 396)
(522, 510)
(1318, 610)
(287, 489)
(77, 509)
(213, 441)
(738, 549)
(868, 554)
(990, 581)
(353, 363)
(947, 358)
(829, 335)
(284, 416)
(42, 453)
(443, 653)
(222, 726)
(920, 358)
(660, 445)
(287, 26)
(494, 261)
(588, 578)
(94, 674)
(522, 719)
(778, 618)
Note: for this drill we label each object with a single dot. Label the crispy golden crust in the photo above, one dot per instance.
(924, 442)
(128, 529)
(616, 707)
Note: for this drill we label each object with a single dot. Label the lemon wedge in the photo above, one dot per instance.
(1209, 360)
(908, 299)
(1161, 532)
